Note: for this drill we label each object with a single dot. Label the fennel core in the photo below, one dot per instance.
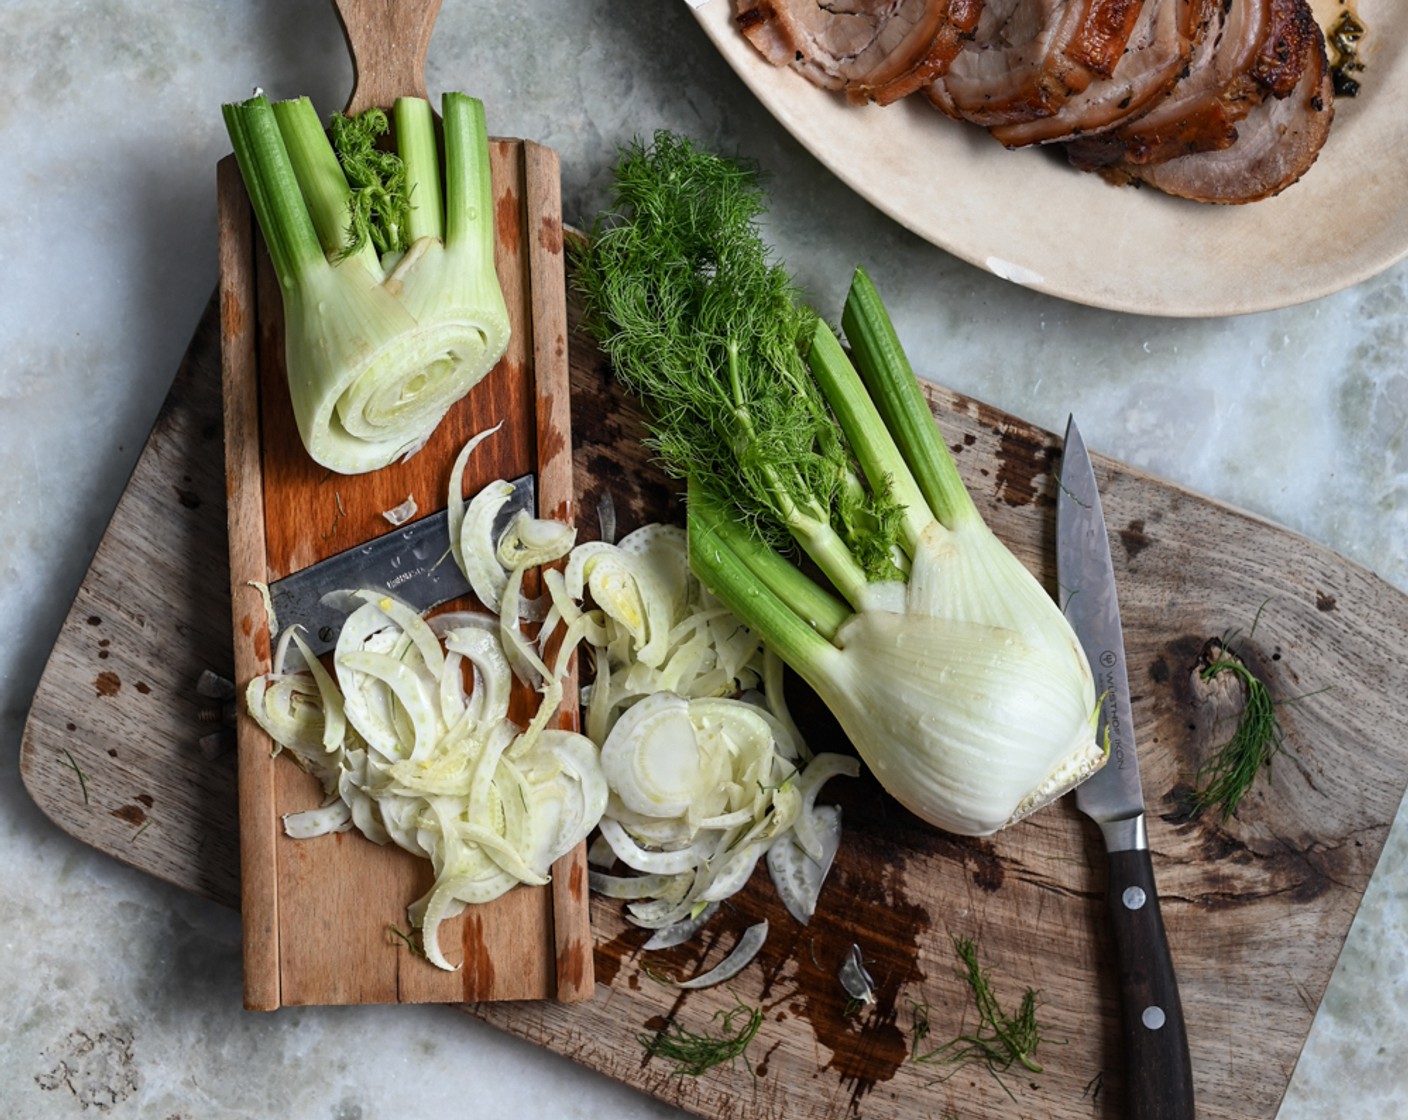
(946, 663)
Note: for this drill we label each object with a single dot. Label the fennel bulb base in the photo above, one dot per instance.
(969, 726)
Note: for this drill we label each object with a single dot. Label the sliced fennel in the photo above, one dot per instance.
(689, 788)
(386, 325)
(408, 757)
(700, 792)
(947, 664)
(703, 784)
(681, 931)
(654, 628)
(400, 514)
(739, 958)
(855, 978)
(797, 875)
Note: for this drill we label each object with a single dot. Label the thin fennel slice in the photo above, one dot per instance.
(798, 876)
(739, 957)
(682, 931)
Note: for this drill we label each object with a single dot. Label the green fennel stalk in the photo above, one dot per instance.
(687, 287)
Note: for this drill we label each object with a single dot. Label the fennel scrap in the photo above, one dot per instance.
(412, 946)
(946, 663)
(82, 779)
(999, 1041)
(1224, 779)
(693, 1054)
(738, 958)
(855, 978)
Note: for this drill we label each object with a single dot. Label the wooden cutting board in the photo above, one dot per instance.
(1257, 909)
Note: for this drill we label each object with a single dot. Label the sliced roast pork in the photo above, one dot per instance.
(1015, 67)
(872, 50)
(1218, 100)
(1164, 36)
(1032, 58)
(1277, 143)
(1253, 49)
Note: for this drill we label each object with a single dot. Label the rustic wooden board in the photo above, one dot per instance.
(1257, 909)
(319, 918)
(118, 703)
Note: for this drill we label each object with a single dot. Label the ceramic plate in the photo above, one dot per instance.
(1028, 217)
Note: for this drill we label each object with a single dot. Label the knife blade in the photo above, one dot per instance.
(1158, 1071)
(412, 562)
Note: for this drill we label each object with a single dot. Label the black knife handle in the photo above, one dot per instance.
(1158, 1074)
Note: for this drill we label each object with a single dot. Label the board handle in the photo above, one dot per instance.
(388, 40)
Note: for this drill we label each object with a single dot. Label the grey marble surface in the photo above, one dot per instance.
(123, 995)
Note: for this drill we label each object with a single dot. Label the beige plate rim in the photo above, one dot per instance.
(1029, 218)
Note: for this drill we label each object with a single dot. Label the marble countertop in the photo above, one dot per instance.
(125, 993)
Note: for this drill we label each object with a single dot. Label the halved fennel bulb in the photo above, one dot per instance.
(1012, 728)
(393, 310)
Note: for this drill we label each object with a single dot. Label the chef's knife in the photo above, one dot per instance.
(1158, 1074)
(412, 562)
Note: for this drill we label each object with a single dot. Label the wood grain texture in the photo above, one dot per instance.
(118, 700)
(320, 918)
(241, 340)
(388, 40)
(547, 275)
(1256, 909)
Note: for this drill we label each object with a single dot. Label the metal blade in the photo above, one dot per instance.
(412, 562)
(1113, 796)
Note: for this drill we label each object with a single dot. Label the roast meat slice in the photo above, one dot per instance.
(1253, 49)
(1018, 65)
(872, 50)
(1032, 61)
(1164, 36)
(1277, 143)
